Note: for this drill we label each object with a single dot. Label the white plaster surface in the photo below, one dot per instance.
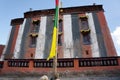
(68, 38)
(41, 39)
(18, 41)
(94, 45)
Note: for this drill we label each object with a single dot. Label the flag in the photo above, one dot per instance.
(53, 50)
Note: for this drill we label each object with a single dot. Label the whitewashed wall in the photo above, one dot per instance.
(18, 41)
(94, 45)
(68, 38)
(41, 39)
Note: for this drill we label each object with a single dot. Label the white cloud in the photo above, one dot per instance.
(116, 38)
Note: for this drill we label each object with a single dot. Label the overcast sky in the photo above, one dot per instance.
(10, 9)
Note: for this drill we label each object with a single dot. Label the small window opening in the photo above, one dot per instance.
(33, 41)
(31, 55)
(60, 25)
(35, 27)
(87, 52)
(59, 40)
(86, 39)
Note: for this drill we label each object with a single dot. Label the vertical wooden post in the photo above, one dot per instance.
(55, 67)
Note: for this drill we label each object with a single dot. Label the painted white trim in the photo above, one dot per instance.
(18, 41)
(68, 38)
(94, 45)
(39, 54)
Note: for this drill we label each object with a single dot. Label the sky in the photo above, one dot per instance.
(11, 9)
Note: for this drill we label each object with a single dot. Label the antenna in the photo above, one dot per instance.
(94, 3)
(30, 9)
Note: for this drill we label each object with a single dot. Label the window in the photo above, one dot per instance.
(86, 39)
(60, 25)
(35, 27)
(85, 30)
(36, 22)
(31, 55)
(59, 40)
(84, 24)
(33, 41)
(87, 53)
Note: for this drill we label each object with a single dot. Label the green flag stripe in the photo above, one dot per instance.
(56, 17)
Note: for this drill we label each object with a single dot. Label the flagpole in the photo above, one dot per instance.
(56, 57)
(55, 67)
(54, 44)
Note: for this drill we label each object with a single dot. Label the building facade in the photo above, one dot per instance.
(1, 49)
(83, 33)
